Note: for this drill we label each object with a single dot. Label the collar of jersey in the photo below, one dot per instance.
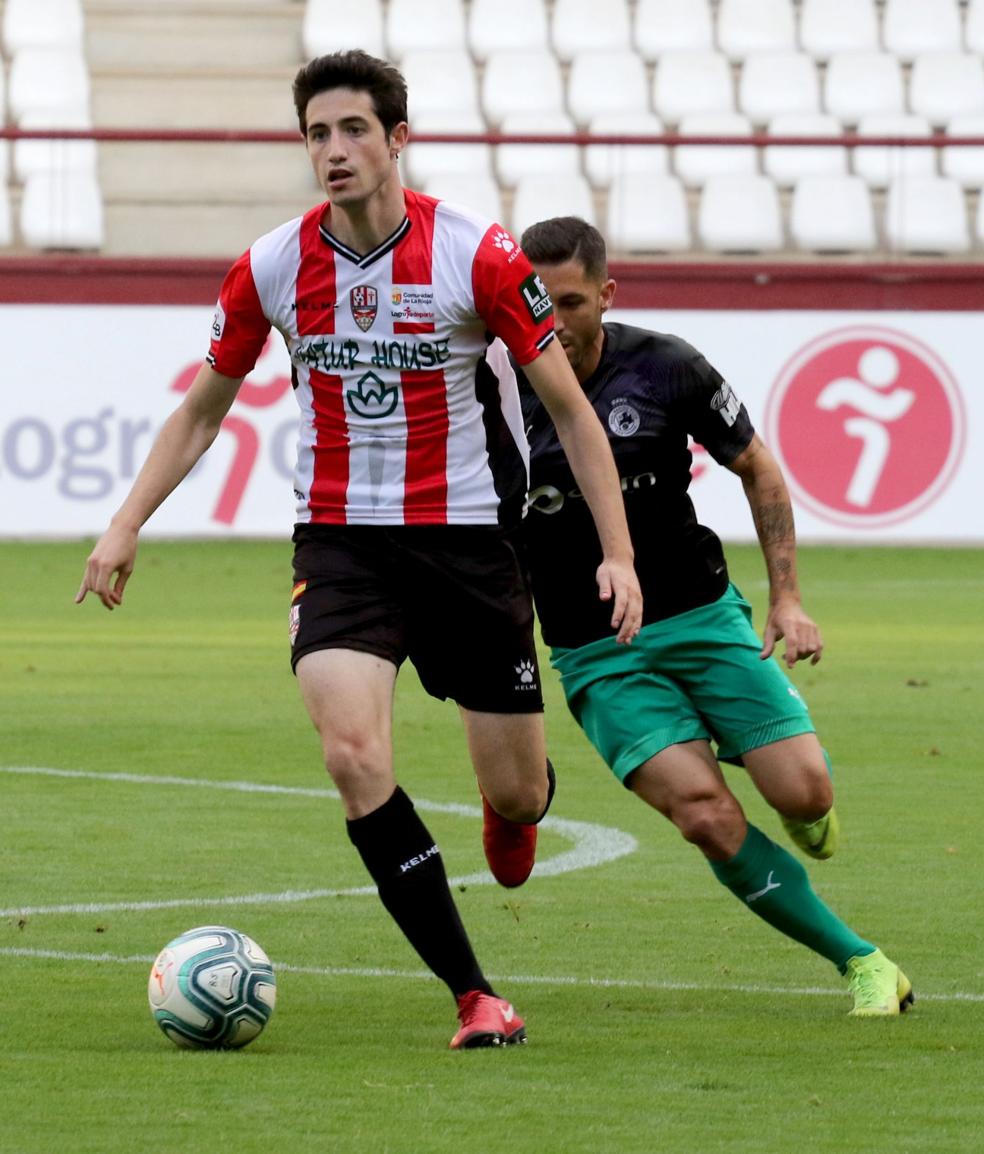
(365, 260)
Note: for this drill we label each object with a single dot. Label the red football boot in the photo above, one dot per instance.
(486, 1021)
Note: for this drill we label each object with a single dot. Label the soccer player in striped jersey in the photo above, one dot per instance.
(410, 485)
(697, 673)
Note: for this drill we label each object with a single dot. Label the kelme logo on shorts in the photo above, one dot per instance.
(536, 297)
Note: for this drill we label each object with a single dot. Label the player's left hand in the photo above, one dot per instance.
(617, 581)
(802, 634)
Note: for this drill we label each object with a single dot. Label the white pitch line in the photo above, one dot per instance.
(594, 845)
(512, 979)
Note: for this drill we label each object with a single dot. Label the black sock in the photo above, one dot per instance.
(406, 866)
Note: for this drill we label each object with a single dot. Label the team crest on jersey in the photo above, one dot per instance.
(364, 301)
(623, 420)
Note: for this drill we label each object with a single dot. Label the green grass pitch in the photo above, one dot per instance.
(662, 1015)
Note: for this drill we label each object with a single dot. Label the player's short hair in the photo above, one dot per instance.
(362, 73)
(563, 238)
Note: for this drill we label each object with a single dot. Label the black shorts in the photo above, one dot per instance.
(455, 599)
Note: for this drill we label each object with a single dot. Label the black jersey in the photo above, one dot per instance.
(650, 391)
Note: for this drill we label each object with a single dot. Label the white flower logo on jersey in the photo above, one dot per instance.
(623, 420)
(504, 241)
(525, 671)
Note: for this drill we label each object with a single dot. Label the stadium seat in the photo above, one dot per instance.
(606, 80)
(578, 25)
(439, 80)
(828, 27)
(522, 81)
(42, 24)
(667, 25)
(946, 84)
(647, 212)
(696, 163)
(62, 210)
(910, 27)
(880, 165)
(926, 214)
(979, 221)
(746, 26)
(514, 161)
(687, 81)
(860, 83)
(47, 78)
(740, 214)
(965, 164)
(6, 216)
(773, 83)
(832, 213)
(539, 197)
(331, 25)
(478, 191)
(787, 164)
(974, 27)
(32, 156)
(411, 26)
(603, 162)
(425, 160)
(501, 25)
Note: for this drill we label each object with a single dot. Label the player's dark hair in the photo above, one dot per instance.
(362, 73)
(564, 238)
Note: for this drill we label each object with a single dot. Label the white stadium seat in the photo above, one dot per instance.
(585, 24)
(540, 197)
(334, 25)
(979, 221)
(913, 26)
(926, 214)
(831, 26)
(965, 164)
(692, 80)
(788, 163)
(438, 80)
(478, 191)
(879, 165)
(47, 78)
(606, 80)
(603, 162)
(500, 25)
(946, 84)
(773, 83)
(514, 161)
(42, 24)
(974, 27)
(746, 26)
(6, 216)
(740, 214)
(521, 81)
(666, 25)
(860, 83)
(62, 210)
(32, 156)
(832, 214)
(696, 163)
(411, 26)
(647, 212)
(425, 160)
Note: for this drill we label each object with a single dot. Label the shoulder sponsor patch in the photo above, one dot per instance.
(218, 322)
(726, 403)
(536, 298)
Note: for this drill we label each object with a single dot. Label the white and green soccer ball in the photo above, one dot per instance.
(212, 988)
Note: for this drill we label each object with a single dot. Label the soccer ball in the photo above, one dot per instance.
(212, 988)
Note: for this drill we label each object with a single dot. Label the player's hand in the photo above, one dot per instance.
(802, 634)
(617, 582)
(113, 556)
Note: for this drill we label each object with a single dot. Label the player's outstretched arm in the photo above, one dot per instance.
(183, 439)
(772, 512)
(591, 460)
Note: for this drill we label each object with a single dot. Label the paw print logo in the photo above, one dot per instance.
(504, 241)
(525, 671)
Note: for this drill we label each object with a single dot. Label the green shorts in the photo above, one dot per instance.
(695, 675)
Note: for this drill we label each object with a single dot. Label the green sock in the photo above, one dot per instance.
(773, 884)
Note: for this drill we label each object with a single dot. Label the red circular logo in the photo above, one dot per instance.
(868, 425)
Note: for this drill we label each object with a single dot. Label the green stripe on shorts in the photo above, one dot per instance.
(696, 675)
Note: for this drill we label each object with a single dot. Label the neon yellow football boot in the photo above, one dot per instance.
(817, 838)
(879, 987)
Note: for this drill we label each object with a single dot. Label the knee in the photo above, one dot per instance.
(353, 760)
(523, 803)
(713, 823)
(813, 794)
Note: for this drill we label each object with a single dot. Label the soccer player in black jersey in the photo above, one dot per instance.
(697, 673)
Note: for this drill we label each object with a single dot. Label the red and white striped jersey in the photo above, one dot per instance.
(409, 407)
